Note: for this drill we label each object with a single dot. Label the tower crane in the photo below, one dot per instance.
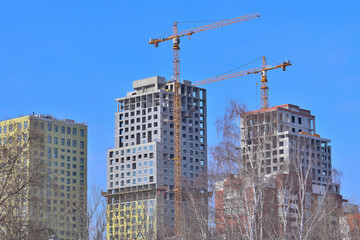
(177, 99)
(264, 81)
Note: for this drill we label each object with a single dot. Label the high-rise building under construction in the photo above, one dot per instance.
(141, 167)
(275, 139)
(286, 166)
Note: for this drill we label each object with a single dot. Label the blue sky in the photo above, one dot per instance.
(71, 59)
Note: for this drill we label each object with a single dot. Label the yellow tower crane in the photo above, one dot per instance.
(177, 100)
(264, 81)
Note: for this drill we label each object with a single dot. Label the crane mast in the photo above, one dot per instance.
(264, 87)
(177, 130)
(177, 101)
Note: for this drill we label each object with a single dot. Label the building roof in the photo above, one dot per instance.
(288, 107)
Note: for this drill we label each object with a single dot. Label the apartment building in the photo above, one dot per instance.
(279, 136)
(141, 168)
(57, 150)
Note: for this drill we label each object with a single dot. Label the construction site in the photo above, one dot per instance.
(191, 120)
(161, 144)
(159, 165)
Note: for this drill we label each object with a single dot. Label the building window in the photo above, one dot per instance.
(25, 137)
(74, 143)
(25, 124)
(68, 142)
(19, 125)
(62, 129)
(49, 153)
(49, 127)
(56, 128)
(82, 132)
(55, 153)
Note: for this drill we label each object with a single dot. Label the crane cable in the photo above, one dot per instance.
(240, 66)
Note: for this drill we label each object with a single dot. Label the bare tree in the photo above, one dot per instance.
(96, 214)
(23, 176)
(350, 226)
(313, 208)
(195, 222)
(242, 216)
(90, 213)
